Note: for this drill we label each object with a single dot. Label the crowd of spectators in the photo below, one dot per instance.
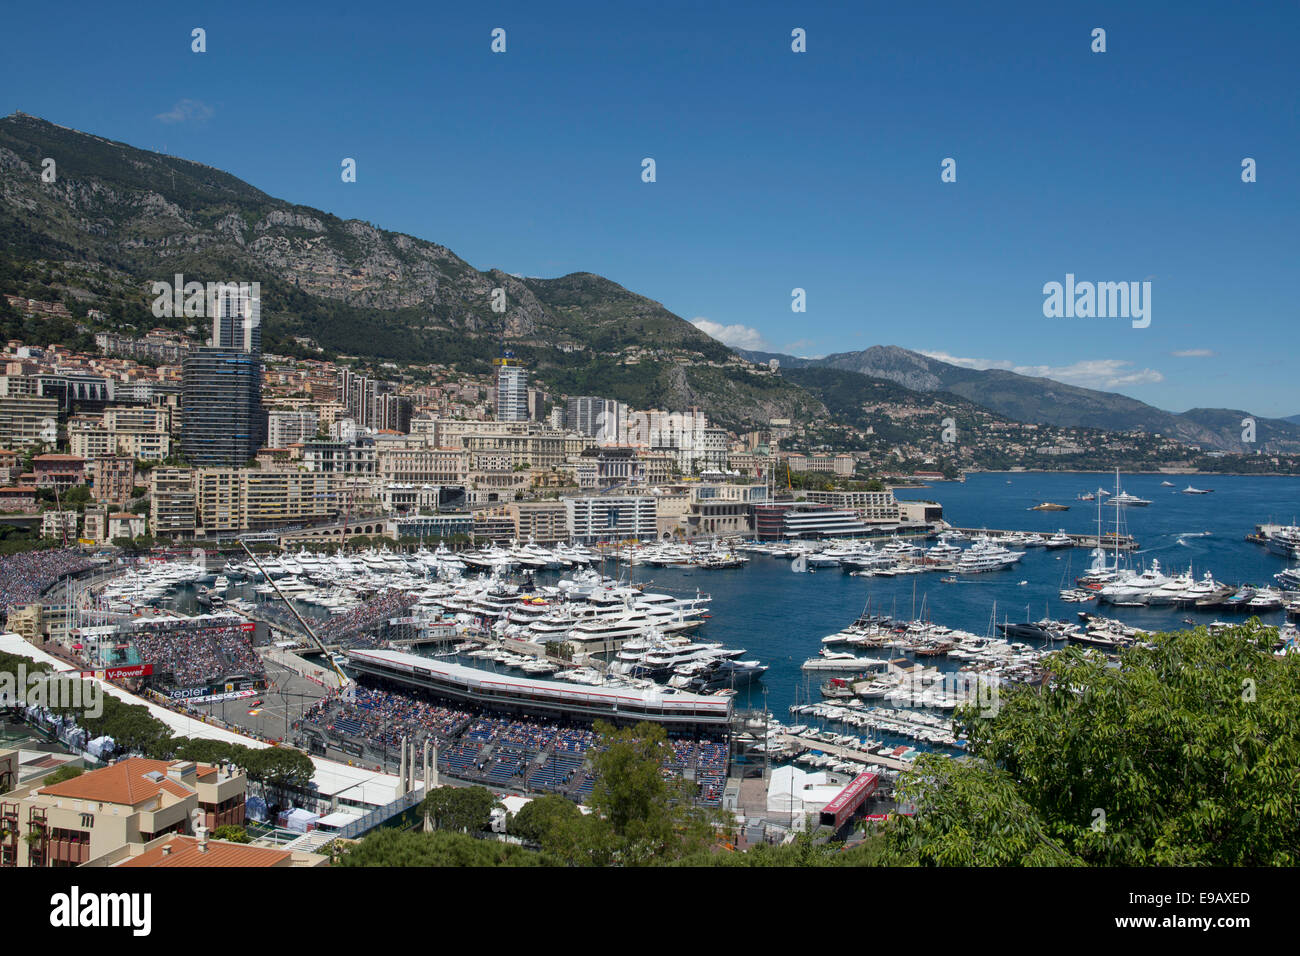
(185, 655)
(381, 718)
(25, 576)
(352, 626)
(529, 753)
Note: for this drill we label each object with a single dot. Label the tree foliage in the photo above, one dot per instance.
(967, 814)
(565, 832)
(462, 809)
(438, 848)
(1186, 753)
(649, 819)
(66, 772)
(235, 834)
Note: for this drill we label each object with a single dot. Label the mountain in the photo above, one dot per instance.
(1044, 401)
(116, 219)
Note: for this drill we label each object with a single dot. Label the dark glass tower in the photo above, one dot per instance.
(223, 422)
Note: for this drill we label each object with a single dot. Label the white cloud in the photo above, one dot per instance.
(967, 362)
(1088, 373)
(737, 336)
(186, 111)
(1193, 353)
(799, 349)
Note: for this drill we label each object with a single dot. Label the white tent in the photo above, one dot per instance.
(298, 819)
(794, 791)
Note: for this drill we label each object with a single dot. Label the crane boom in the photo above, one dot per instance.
(344, 680)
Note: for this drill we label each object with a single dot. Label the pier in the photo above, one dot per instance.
(1126, 541)
(849, 753)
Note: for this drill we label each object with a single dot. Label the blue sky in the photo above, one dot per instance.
(775, 170)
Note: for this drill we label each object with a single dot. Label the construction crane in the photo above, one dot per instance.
(344, 679)
(58, 510)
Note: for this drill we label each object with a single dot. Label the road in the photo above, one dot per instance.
(282, 703)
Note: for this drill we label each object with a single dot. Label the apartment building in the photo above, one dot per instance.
(448, 466)
(60, 524)
(723, 508)
(113, 477)
(544, 521)
(140, 432)
(285, 428)
(173, 503)
(94, 526)
(28, 420)
(133, 801)
(594, 518)
(340, 458)
(535, 450)
(233, 500)
(842, 465)
(59, 471)
(872, 506)
(451, 432)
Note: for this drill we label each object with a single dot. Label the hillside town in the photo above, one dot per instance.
(161, 439)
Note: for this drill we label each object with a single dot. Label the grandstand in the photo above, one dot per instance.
(503, 750)
(194, 657)
(542, 697)
(359, 627)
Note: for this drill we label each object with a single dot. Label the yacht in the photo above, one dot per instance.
(1285, 541)
(1265, 599)
(1240, 600)
(1060, 540)
(983, 555)
(1124, 498)
(1134, 589)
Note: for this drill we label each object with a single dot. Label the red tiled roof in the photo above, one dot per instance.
(185, 852)
(122, 783)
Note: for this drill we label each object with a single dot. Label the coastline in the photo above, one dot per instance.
(1093, 471)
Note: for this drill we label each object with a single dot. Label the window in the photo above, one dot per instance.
(87, 820)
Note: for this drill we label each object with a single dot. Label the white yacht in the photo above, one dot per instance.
(1133, 588)
(983, 555)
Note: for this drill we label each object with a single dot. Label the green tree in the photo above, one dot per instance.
(467, 809)
(967, 814)
(539, 818)
(1191, 750)
(66, 772)
(565, 832)
(234, 834)
(650, 819)
(439, 848)
(1187, 753)
(77, 497)
(278, 768)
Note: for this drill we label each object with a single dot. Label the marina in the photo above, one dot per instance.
(832, 649)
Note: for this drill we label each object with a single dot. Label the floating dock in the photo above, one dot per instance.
(1126, 541)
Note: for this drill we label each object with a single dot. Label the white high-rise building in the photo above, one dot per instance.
(237, 322)
(512, 390)
(285, 428)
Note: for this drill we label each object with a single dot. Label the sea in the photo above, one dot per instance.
(780, 617)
